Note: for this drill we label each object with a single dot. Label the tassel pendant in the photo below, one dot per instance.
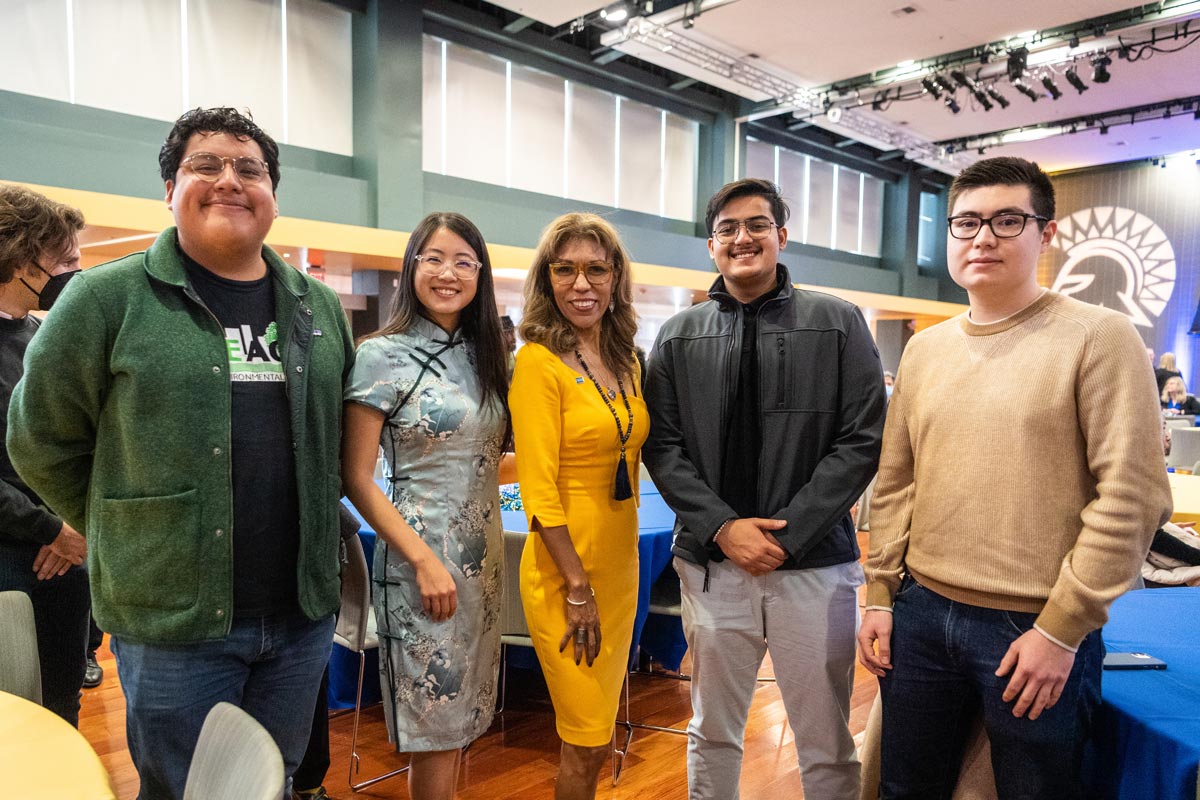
(622, 489)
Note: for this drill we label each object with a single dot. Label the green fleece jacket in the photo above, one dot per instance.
(122, 425)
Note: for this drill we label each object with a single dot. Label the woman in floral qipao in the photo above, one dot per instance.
(430, 388)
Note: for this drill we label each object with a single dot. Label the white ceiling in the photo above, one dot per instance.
(815, 44)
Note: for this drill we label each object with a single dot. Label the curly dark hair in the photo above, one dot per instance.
(215, 120)
(33, 226)
(1008, 171)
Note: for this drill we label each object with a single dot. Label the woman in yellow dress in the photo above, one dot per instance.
(579, 422)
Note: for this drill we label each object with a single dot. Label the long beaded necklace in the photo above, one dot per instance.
(622, 490)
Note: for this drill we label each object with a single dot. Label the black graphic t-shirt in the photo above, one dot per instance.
(266, 516)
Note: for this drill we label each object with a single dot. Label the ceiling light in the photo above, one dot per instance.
(932, 88)
(999, 98)
(617, 12)
(1016, 62)
(1074, 80)
(961, 78)
(1051, 87)
(1103, 129)
(1025, 90)
(1100, 65)
(982, 99)
(946, 85)
(952, 104)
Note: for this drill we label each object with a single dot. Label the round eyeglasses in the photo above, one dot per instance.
(1004, 226)
(463, 268)
(595, 272)
(208, 167)
(726, 232)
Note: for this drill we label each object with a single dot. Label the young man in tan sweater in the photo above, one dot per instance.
(1021, 481)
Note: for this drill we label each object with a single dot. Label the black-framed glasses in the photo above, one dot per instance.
(1004, 226)
(595, 272)
(758, 228)
(463, 268)
(209, 166)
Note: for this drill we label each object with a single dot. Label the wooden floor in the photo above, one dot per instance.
(518, 756)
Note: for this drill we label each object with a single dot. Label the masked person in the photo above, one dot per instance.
(40, 554)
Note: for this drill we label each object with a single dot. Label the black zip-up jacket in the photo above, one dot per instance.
(822, 402)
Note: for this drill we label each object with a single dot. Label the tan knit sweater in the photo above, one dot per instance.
(1022, 465)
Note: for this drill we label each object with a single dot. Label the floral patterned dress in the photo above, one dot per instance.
(442, 448)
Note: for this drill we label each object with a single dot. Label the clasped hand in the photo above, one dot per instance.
(749, 544)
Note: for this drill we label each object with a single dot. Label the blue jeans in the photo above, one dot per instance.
(60, 614)
(944, 656)
(269, 666)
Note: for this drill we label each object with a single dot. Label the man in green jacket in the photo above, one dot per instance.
(182, 408)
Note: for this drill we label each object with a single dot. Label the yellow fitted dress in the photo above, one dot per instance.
(567, 449)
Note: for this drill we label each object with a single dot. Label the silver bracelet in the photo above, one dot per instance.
(580, 602)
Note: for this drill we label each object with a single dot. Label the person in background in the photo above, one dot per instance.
(889, 382)
(1175, 398)
(579, 422)
(510, 343)
(430, 387)
(987, 586)
(182, 406)
(40, 553)
(1166, 369)
(766, 407)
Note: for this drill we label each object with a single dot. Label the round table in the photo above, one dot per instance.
(41, 756)
(1185, 492)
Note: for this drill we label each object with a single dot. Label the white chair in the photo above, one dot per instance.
(20, 671)
(356, 631)
(1185, 448)
(235, 759)
(514, 631)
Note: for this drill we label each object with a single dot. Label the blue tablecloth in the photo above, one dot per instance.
(664, 641)
(1148, 727)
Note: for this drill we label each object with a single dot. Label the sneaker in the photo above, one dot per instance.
(93, 674)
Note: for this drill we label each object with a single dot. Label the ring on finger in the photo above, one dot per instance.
(581, 635)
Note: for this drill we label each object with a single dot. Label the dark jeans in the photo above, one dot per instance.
(944, 656)
(60, 612)
(95, 637)
(311, 772)
(268, 666)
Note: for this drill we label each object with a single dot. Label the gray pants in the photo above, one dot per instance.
(806, 620)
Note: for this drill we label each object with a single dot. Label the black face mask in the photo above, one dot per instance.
(51, 289)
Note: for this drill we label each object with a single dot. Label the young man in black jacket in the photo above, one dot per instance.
(766, 409)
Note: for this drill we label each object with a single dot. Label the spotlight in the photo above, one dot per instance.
(1103, 129)
(981, 98)
(617, 12)
(1016, 62)
(999, 98)
(932, 88)
(961, 78)
(1196, 114)
(952, 104)
(946, 85)
(1074, 80)
(1025, 90)
(1051, 87)
(1100, 65)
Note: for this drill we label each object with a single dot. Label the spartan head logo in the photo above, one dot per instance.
(1116, 258)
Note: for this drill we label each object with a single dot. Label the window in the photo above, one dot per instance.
(288, 61)
(559, 137)
(831, 206)
(928, 230)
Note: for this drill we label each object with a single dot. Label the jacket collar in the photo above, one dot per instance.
(783, 289)
(162, 262)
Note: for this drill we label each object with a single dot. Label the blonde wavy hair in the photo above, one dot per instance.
(545, 324)
(1174, 389)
